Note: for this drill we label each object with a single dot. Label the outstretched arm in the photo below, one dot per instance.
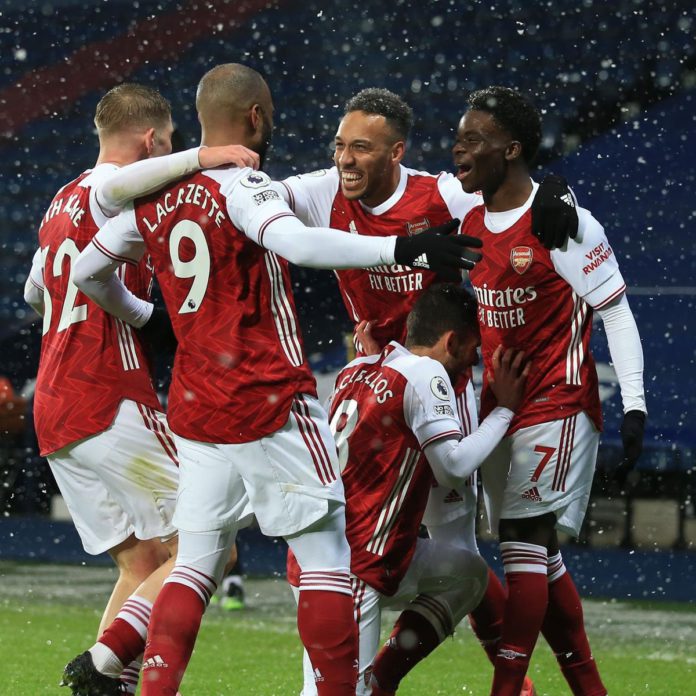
(144, 177)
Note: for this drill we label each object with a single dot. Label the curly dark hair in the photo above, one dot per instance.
(441, 307)
(373, 100)
(514, 112)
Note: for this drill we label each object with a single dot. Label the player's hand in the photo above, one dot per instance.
(554, 216)
(632, 432)
(438, 250)
(157, 333)
(240, 156)
(509, 376)
(366, 342)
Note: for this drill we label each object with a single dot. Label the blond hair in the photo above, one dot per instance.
(131, 106)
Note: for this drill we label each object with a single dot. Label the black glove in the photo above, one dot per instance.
(554, 216)
(158, 333)
(438, 250)
(632, 430)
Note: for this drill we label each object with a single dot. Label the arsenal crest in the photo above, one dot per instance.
(521, 258)
(417, 227)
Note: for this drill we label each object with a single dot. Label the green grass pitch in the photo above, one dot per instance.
(50, 613)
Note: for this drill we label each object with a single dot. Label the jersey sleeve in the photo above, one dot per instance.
(253, 202)
(95, 181)
(119, 238)
(588, 263)
(311, 196)
(259, 211)
(430, 408)
(459, 202)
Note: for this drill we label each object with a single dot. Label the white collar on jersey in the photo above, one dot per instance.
(394, 198)
(504, 220)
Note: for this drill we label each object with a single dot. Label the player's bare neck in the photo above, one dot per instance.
(385, 192)
(512, 193)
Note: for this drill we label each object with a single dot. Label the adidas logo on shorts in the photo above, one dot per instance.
(532, 494)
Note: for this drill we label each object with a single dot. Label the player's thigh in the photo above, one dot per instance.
(212, 495)
(367, 604)
(100, 521)
(140, 468)
(438, 567)
(551, 471)
(292, 475)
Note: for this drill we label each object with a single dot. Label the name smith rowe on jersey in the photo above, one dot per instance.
(507, 312)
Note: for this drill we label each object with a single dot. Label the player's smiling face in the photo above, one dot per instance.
(479, 152)
(367, 155)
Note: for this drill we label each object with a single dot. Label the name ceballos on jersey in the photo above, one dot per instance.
(503, 309)
(374, 379)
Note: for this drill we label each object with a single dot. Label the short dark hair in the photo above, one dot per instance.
(373, 100)
(440, 308)
(514, 112)
(131, 105)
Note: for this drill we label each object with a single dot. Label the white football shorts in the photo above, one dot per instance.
(285, 479)
(121, 481)
(454, 511)
(544, 468)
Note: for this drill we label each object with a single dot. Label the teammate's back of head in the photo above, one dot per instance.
(440, 308)
(228, 91)
(131, 106)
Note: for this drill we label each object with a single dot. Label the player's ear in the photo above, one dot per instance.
(449, 339)
(398, 151)
(256, 117)
(149, 139)
(514, 150)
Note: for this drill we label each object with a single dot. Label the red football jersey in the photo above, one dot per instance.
(385, 294)
(89, 361)
(240, 359)
(385, 409)
(541, 301)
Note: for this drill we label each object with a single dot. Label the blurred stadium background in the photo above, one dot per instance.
(617, 85)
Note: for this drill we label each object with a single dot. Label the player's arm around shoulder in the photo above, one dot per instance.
(112, 192)
(94, 273)
(311, 196)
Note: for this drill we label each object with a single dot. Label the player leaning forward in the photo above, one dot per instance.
(538, 479)
(250, 433)
(397, 429)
